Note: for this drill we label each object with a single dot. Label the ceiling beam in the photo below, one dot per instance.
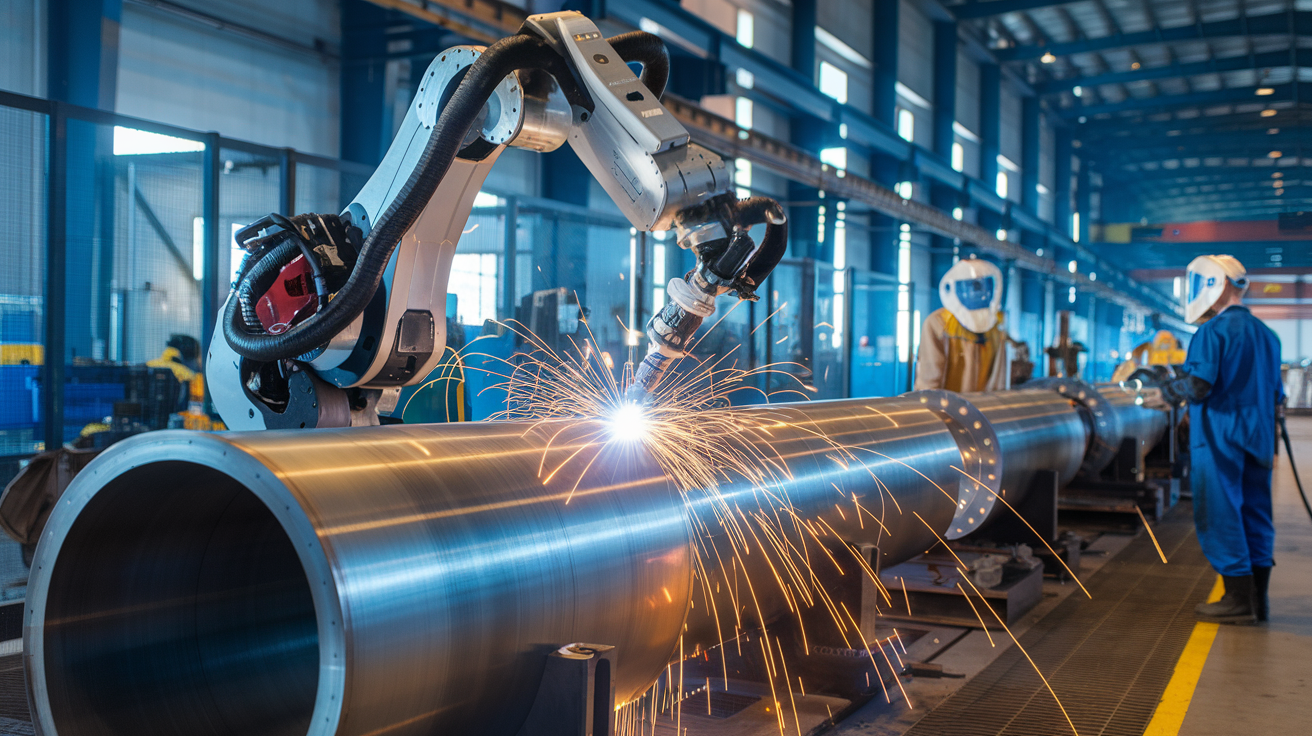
(1115, 131)
(1296, 23)
(1236, 175)
(1270, 59)
(1229, 95)
(978, 9)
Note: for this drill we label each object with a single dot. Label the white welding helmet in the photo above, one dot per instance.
(972, 291)
(1205, 281)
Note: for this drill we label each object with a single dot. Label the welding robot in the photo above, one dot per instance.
(1231, 382)
(332, 314)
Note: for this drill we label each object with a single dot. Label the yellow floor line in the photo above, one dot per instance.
(1170, 712)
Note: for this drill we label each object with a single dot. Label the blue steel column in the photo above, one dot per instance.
(808, 134)
(945, 114)
(82, 67)
(366, 133)
(1030, 120)
(990, 127)
(885, 169)
(1061, 190)
(1029, 154)
(1083, 199)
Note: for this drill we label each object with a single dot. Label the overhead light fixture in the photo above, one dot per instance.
(1078, 91)
(1280, 192)
(1135, 66)
(1277, 174)
(1047, 57)
(1272, 131)
(1264, 91)
(1083, 120)
(1268, 113)
(1274, 154)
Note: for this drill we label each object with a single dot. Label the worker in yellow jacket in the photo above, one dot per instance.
(962, 345)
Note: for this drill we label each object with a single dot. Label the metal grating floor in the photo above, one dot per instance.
(15, 719)
(1108, 659)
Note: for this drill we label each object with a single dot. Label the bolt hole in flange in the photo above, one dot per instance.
(981, 471)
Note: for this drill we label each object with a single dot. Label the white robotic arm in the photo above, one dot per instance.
(283, 357)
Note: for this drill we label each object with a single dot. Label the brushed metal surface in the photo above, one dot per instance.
(408, 579)
(1037, 430)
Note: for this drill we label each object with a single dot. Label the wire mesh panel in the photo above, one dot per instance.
(22, 282)
(250, 187)
(323, 189)
(829, 334)
(877, 369)
(788, 341)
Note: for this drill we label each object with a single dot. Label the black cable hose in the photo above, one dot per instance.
(258, 279)
(499, 60)
(311, 260)
(649, 50)
(757, 210)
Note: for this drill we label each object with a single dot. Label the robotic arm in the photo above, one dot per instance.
(331, 315)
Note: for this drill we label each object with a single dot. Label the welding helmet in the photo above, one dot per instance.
(972, 291)
(1205, 282)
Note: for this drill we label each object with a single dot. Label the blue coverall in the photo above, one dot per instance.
(1232, 439)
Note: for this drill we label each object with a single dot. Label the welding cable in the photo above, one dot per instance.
(1289, 451)
(763, 210)
(458, 117)
(311, 258)
(257, 280)
(649, 50)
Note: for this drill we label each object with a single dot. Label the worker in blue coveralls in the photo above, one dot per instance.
(1231, 380)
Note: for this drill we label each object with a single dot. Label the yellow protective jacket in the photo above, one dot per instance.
(954, 358)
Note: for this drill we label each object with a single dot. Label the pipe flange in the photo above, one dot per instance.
(981, 479)
(1105, 437)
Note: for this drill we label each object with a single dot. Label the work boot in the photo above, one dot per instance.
(1261, 580)
(1235, 607)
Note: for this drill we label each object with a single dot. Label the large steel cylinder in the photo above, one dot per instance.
(1137, 421)
(1037, 430)
(409, 579)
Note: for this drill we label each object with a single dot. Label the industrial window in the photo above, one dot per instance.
(474, 282)
(835, 157)
(904, 292)
(746, 28)
(906, 124)
(833, 82)
(742, 176)
(958, 157)
(742, 113)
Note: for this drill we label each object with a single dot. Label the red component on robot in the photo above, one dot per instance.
(290, 299)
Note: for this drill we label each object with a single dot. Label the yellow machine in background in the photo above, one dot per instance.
(1164, 349)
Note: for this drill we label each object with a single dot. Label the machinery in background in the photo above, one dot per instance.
(1064, 353)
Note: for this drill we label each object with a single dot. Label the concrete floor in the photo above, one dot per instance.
(1258, 680)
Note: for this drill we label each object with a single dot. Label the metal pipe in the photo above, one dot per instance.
(408, 579)
(1037, 429)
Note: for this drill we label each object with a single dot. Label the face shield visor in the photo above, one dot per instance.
(976, 293)
(972, 292)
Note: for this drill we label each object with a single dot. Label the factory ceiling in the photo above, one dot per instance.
(1169, 99)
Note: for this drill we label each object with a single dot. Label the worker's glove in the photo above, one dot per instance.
(1185, 388)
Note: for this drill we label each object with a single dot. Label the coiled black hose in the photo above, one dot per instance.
(499, 60)
(758, 210)
(649, 50)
